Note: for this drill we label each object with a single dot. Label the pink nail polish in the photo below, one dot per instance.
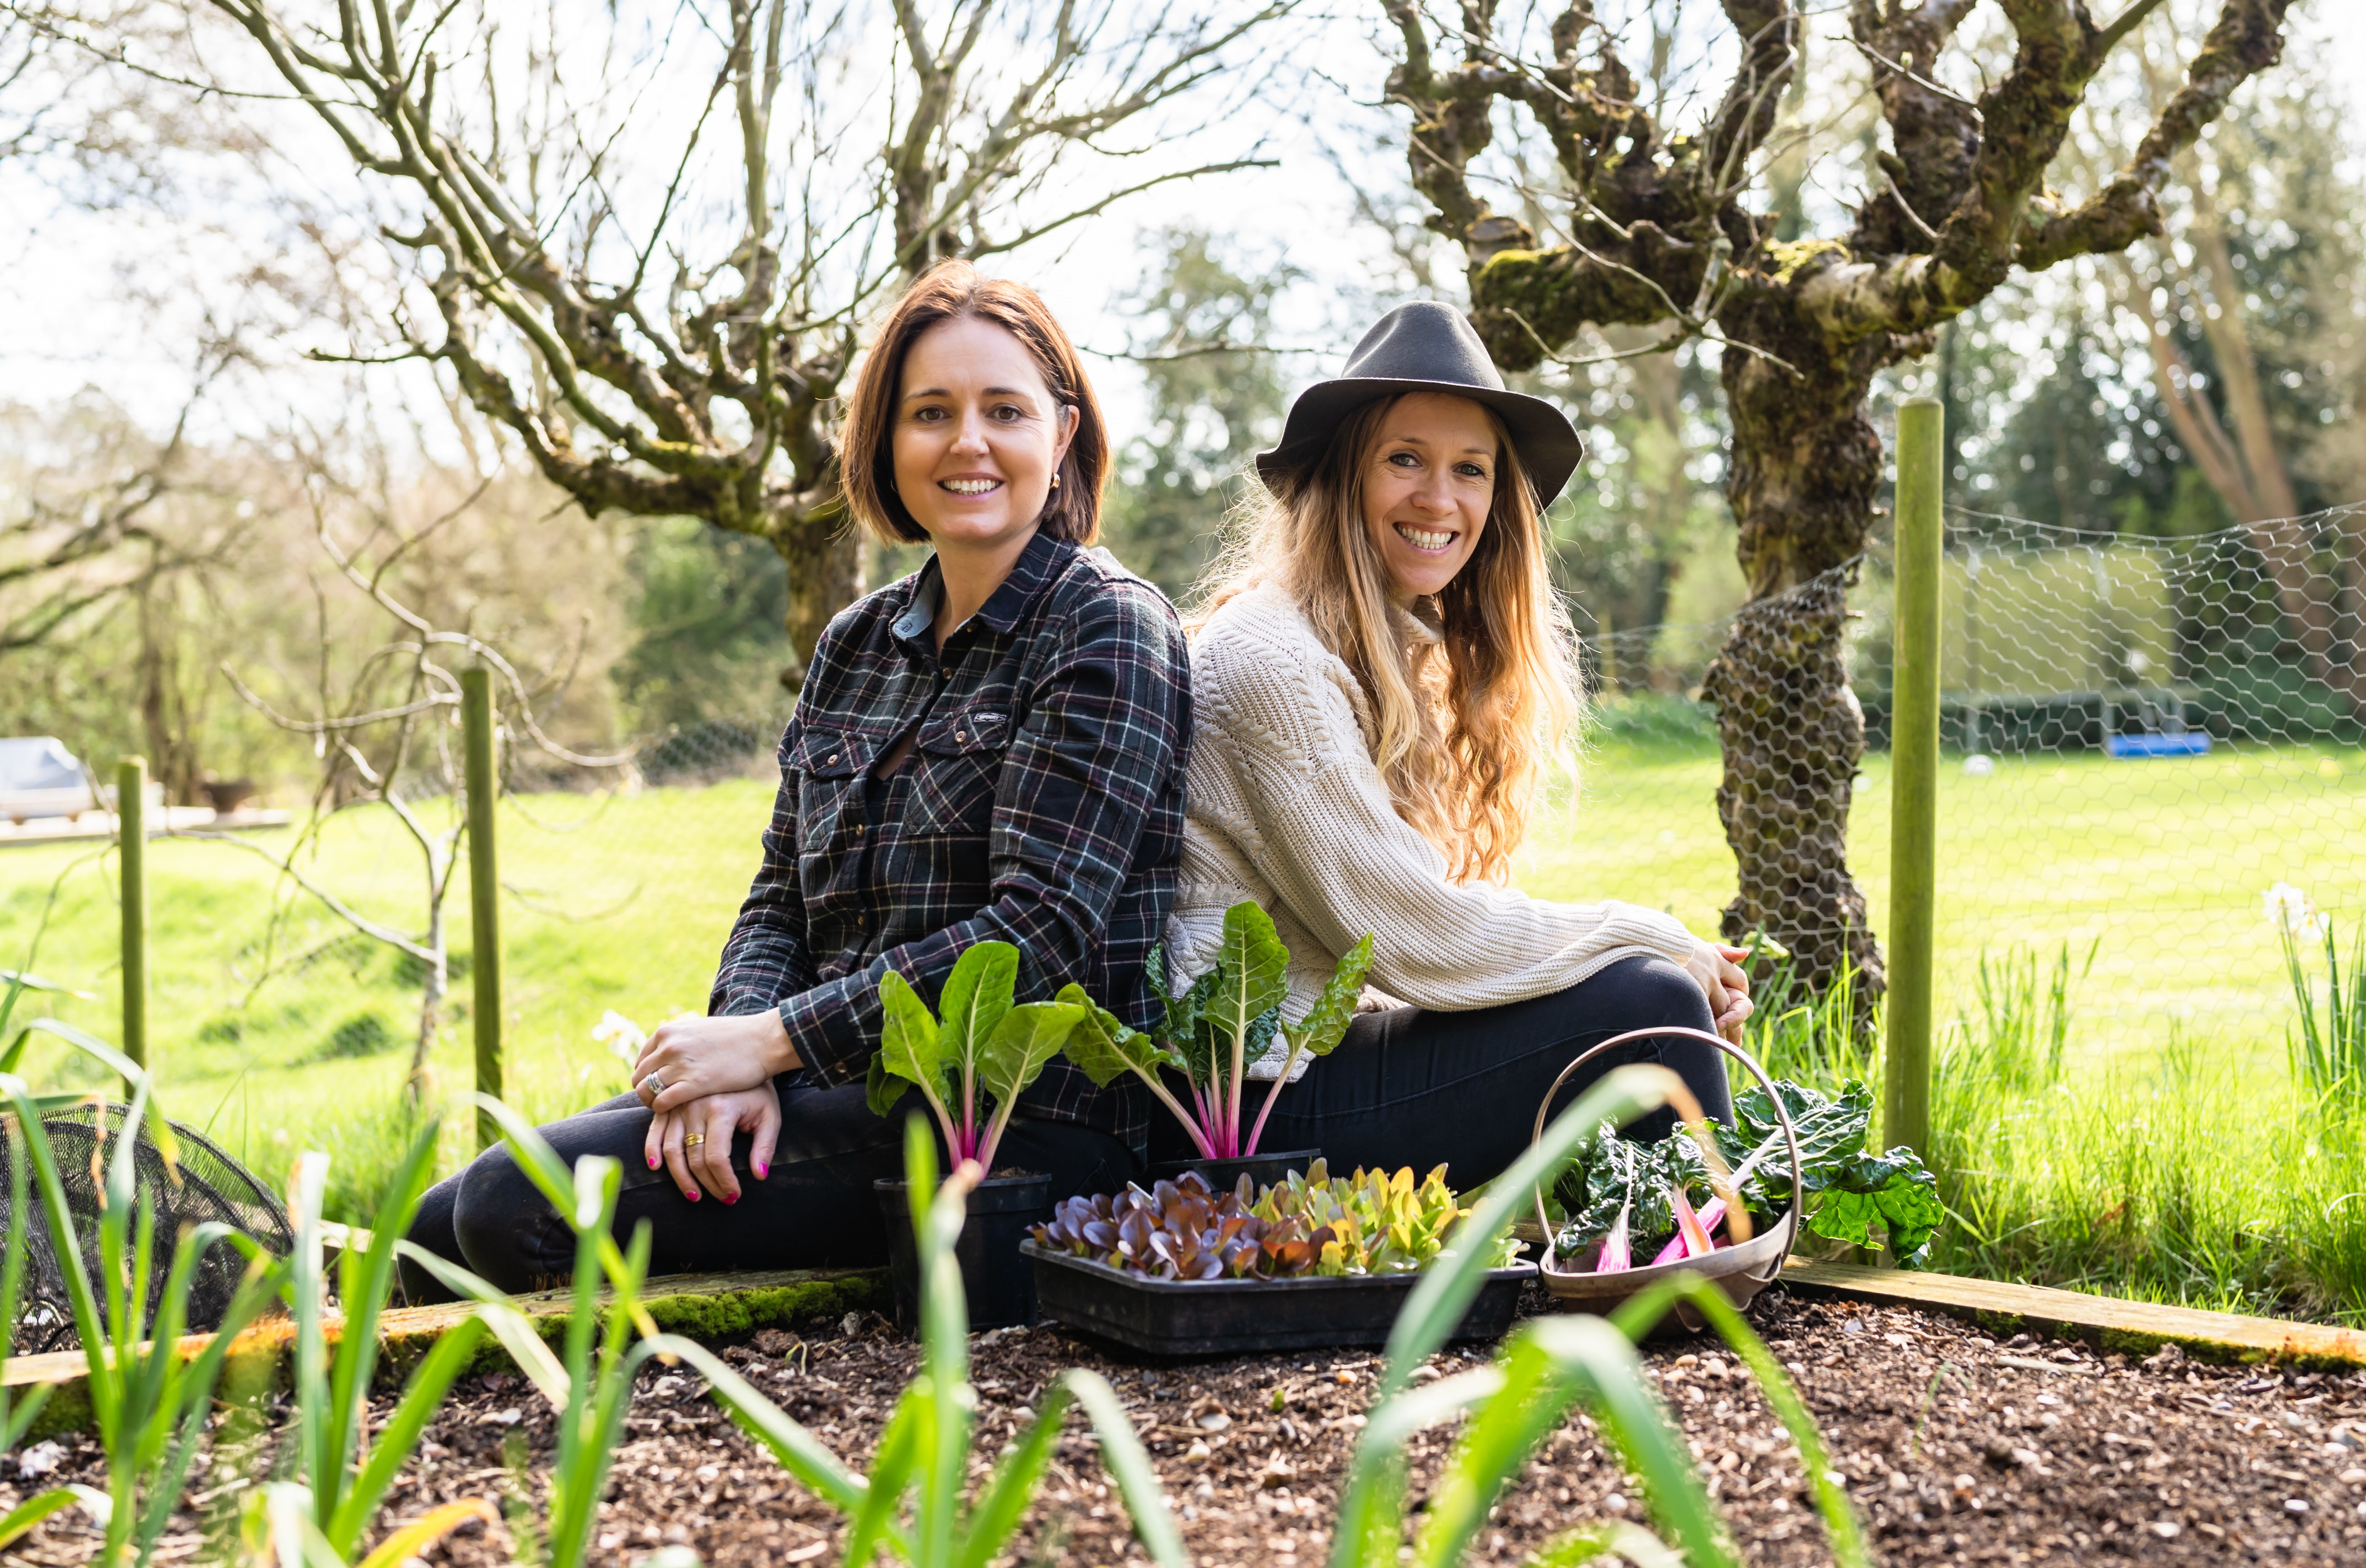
(653, 1162)
(730, 1198)
(692, 1196)
(762, 1171)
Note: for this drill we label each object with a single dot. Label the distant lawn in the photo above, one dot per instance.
(624, 904)
(2163, 860)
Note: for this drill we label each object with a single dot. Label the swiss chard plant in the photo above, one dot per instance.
(1217, 1027)
(982, 1050)
(1661, 1202)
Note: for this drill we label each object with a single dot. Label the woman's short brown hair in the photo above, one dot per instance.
(950, 291)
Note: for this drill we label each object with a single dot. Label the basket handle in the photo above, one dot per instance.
(1782, 1115)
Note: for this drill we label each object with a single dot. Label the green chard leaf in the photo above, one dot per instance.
(976, 994)
(1022, 1043)
(910, 1044)
(1106, 1048)
(1251, 971)
(881, 1089)
(1325, 1023)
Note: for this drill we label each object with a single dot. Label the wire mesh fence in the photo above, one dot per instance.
(2144, 736)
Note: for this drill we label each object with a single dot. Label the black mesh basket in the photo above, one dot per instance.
(203, 1184)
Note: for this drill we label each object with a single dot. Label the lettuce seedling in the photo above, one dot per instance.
(1217, 1026)
(984, 1048)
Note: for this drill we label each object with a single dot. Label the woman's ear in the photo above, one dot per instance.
(1072, 419)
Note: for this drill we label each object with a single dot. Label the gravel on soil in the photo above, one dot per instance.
(1958, 1448)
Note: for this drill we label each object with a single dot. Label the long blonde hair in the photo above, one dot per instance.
(1469, 725)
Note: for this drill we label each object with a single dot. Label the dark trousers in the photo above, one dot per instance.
(814, 1210)
(1411, 1086)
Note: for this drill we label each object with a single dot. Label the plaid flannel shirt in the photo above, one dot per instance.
(1042, 805)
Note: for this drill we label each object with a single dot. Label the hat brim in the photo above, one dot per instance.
(1547, 444)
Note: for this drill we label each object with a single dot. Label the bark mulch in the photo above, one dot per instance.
(1958, 1448)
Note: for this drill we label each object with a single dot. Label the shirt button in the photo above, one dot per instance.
(961, 734)
(858, 830)
(833, 756)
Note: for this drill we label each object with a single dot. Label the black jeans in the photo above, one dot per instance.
(1411, 1086)
(814, 1209)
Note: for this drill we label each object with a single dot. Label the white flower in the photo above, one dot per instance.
(2288, 910)
(622, 1037)
(2312, 928)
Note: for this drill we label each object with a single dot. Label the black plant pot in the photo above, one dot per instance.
(1221, 1175)
(998, 1284)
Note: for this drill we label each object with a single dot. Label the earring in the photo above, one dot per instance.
(1055, 481)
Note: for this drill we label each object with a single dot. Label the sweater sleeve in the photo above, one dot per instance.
(1326, 834)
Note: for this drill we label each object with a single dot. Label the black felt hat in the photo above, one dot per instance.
(1427, 346)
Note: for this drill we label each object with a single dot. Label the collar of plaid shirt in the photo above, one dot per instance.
(1042, 805)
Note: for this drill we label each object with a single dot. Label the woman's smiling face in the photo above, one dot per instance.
(1429, 486)
(977, 437)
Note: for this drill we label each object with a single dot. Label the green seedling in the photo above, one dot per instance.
(983, 1049)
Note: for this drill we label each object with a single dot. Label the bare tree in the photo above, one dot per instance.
(656, 361)
(387, 736)
(1660, 228)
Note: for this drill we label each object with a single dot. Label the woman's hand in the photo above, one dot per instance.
(1718, 968)
(689, 1058)
(712, 1121)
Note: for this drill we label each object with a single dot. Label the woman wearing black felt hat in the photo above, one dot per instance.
(1382, 680)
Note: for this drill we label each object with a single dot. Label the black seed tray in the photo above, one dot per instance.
(1226, 1317)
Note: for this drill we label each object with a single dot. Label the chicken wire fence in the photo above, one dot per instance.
(2144, 736)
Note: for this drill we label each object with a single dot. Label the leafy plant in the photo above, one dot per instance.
(983, 1048)
(589, 1379)
(1228, 1019)
(1307, 1224)
(1548, 1365)
(2327, 1054)
(339, 1473)
(150, 1406)
(1642, 1197)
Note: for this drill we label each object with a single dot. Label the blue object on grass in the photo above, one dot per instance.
(2188, 743)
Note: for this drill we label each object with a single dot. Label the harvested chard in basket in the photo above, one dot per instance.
(1656, 1200)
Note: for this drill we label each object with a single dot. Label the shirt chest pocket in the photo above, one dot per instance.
(827, 766)
(957, 762)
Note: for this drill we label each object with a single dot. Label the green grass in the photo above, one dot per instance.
(2169, 1158)
(2163, 861)
(622, 904)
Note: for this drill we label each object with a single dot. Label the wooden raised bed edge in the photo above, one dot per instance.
(2107, 1322)
(702, 1306)
(710, 1306)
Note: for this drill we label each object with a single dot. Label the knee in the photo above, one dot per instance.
(499, 1216)
(1654, 992)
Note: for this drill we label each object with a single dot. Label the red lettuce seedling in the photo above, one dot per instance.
(1221, 1023)
(983, 1049)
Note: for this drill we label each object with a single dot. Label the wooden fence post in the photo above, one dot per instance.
(484, 891)
(132, 850)
(1914, 779)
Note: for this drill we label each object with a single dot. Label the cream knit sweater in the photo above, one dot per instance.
(1287, 807)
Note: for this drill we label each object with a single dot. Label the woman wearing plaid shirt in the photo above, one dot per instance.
(991, 748)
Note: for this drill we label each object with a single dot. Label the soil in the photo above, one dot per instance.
(1958, 1448)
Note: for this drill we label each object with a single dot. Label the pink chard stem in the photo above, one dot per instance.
(1190, 1124)
(1266, 1110)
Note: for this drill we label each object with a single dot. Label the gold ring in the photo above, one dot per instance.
(694, 1140)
